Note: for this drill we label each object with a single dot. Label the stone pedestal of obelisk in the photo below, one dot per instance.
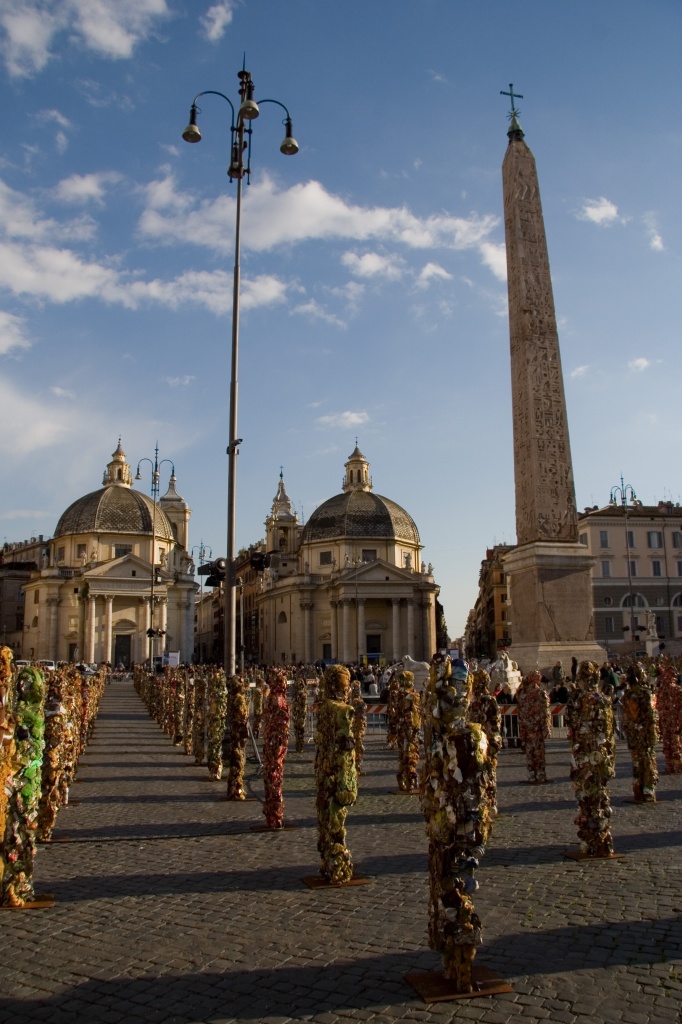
(549, 571)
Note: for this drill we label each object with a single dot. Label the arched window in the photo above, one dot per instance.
(637, 601)
(677, 601)
(282, 617)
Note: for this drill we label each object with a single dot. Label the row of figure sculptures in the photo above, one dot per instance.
(456, 721)
(46, 720)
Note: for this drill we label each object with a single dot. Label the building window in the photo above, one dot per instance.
(122, 549)
(608, 601)
(603, 538)
(677, 538)
(679, 568)
(631, 538)
(325, 558)
(583, 539)
(659, 625)
(504, 615)
(633, 568)
(636, 602)
(60, 554)
(282, 617)
(81, 550)
(606, 568)
(36, 596)
(369, 554)
(608, 623)
(679, 623)
(656, 567)
(654, 538)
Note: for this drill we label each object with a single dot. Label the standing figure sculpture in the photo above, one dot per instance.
(260, 693)
(215, 723)
(535, 724)
(359, 724)
(299, 711)
(238, 731)
(275, 740)
(392, 705)
(455, 805)
(669, 708)
(199, 718)
(485, 710)
(407, 729)
(6, 740)
(589, 716)
(19, 844)
(336, 775)
(639, 724)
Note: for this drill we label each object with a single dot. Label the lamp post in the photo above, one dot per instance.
(621, 495)
(240, 135)
(152, 633)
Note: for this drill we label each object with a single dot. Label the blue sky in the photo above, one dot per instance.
(374, 295)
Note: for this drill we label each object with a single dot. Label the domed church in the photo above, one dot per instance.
(349, 584)
(117, 566)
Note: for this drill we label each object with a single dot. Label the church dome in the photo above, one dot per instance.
(360, 513)
(115, 508)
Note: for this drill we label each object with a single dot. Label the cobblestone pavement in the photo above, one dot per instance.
(170, 909)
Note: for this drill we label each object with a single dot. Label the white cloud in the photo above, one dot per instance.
(216, 19)
(372, 264)
(343, 419)
(639, 365)
(62, 392)
(180, 382)
(110, 28)
(655, 239)
(432, 272)
(53, 116)
(29, 423)
(84, 188)
(314, 311)
(600, 211)
(12, 334)
(494, 257)
(580, 371)
(301, 213)
(19, 219)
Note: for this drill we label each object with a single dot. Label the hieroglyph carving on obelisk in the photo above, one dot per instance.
(545, 492)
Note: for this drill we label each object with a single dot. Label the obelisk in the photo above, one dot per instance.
(549, 570)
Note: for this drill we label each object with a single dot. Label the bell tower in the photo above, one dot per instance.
(118, 472)
(357, 476)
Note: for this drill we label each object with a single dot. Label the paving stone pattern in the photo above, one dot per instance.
(170, 909)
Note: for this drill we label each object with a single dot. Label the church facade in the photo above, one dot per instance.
(117, 567)
(349, 584)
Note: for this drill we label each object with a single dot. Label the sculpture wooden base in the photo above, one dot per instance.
(270, 828)
(579, 855)
(434, 987)
(43, 901)
(317, 882)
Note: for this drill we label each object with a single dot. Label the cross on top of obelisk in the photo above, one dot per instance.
(514, 95)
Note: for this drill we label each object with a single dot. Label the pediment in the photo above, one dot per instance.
(122, 568)
(376, 572)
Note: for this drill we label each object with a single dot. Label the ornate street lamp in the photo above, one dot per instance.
(621, 495)
(152, 632)
(240, 135)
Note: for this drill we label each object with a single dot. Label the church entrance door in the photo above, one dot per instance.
(122, 650)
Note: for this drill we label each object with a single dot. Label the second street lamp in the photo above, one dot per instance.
(239, 168)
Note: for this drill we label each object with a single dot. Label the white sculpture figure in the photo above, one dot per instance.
(651, 631)
(420, 670)
(504, 670)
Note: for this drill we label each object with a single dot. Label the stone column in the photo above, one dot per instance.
(427, 642)
(395, 601)
(52, 628)
(335, 631)
(410, 627)
(90, 631)
(189, 629)
(164, 624)
(108, 626)
(345, 640)
(361, 639)
(307, 607)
